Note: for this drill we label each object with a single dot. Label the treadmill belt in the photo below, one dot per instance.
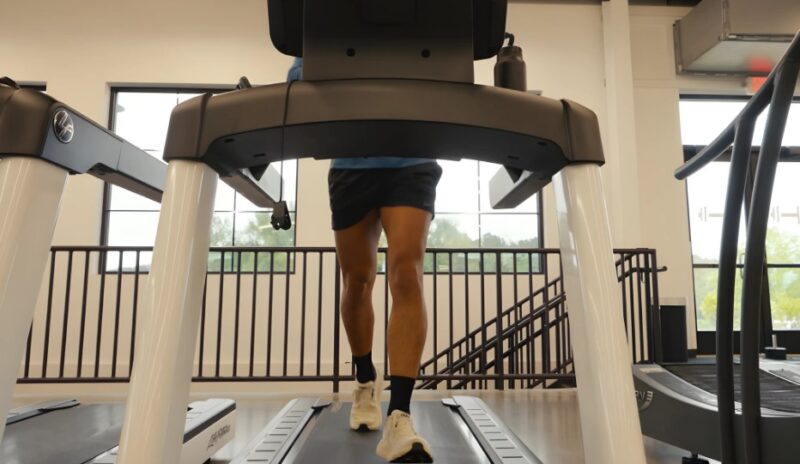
(776, 393)
(69, 436)
(332, 441)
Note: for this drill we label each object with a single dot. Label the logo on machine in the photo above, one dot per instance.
(63, 126)
(644, 399)
(217, 436)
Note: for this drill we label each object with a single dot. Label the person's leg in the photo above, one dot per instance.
(356, 248)
(407, 233)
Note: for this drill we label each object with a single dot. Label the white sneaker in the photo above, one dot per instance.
(366, 411)
(400, 441)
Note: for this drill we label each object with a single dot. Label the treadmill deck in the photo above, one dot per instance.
(460, 430)
(777, 393)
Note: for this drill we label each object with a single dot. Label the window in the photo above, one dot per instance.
(465, 219)
(702, 119)
(141, 116)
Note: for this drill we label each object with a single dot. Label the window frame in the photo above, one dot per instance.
(112, 119)
(706, 339)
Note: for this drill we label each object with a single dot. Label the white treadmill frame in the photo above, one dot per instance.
(30, 199)
(165, 346)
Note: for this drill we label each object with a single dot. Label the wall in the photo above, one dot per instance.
(81, 48)
(663, 213)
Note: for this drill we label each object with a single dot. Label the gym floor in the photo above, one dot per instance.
(547, 421)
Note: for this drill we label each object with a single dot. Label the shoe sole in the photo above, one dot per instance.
(417, 454)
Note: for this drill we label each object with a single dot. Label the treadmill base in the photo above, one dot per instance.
(460, 430)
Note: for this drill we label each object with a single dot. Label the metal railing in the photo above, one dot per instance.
(498, 318)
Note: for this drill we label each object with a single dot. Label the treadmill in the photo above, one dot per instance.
(388, 78)
(65, 432)
(466, 431)
(42, 141)
(745, 412)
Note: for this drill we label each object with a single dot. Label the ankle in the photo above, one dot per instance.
(365, 369)
(401, 389)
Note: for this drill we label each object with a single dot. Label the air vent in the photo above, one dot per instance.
(735, 37)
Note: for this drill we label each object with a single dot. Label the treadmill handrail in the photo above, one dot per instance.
(30, 122)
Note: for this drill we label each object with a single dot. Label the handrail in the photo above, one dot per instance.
(507, 332)
(490, 323)
(505, 313)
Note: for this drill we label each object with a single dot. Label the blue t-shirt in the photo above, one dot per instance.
(367, 162)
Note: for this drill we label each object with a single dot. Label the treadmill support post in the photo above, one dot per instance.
(30, 197)
(171, 315)
(608, 411)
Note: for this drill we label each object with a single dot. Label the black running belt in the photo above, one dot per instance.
(330, 440)
(70, 436)
(776, 393)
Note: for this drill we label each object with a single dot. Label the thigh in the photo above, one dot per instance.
(406, 233)
(356, 247)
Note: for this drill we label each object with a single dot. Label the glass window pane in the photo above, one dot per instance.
(487, 171)
(122, 199)
(706, 191)
(454, 231)
(255, 229)
(783, 237)
(705, 294)
(223, 201)
(132, 228)
(703, 120)
(509, 230)
(457, 191)
(784, 293)
(222, 230)
(142, 118)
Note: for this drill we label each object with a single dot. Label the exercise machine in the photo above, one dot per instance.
(696, 406)
(42, 141)
(384, 78)
(67, 432)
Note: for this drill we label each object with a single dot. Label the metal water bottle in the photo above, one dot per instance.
(509, 72)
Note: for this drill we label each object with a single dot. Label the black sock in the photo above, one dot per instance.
(365, 370)
(401, 389)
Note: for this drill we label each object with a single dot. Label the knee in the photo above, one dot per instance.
(405, 279)
(358, 285)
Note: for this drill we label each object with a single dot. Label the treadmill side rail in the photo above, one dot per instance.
(26, 412)
(278, 437)
(497, 440)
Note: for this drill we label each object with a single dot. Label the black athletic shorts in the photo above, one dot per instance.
(356, 192)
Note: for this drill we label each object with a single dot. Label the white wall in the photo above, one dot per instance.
(663, 206)
(81, 48)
